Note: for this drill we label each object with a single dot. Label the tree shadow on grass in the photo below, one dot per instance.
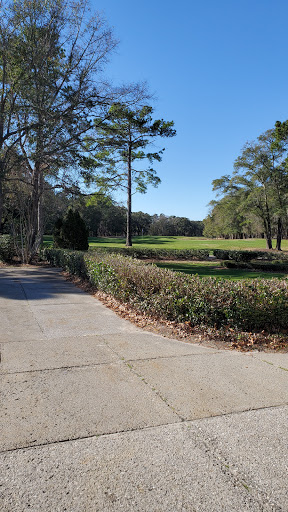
(155, 240)
(137, 240)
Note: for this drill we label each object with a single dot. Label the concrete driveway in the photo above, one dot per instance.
(98, 415)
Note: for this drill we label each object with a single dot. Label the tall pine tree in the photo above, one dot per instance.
(121, 141)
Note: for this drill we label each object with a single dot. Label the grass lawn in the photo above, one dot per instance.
(213, 269)
(178, 242)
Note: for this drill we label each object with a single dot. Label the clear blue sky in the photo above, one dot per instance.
(218, 69)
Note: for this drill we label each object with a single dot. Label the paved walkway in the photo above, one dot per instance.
(98, 415)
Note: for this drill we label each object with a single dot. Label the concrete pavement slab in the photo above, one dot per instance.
(56, 295)
(8, 278)
(54, 353)
(12, 297)
(215, 384)
(11, 291)
(47, 406)
(50, 287)
(31, 274)
(17, 323)
(7, 289)
(31, 269)
(78, 319)
(51, 284)
(16, 294)
(151, 460)
(144, 345)
(162, 469)
(276, 359)
(253, 444)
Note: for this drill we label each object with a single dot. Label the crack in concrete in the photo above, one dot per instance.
(73, 367)
(126, 362)
(29, 305)
(96, 436)
(236, 476)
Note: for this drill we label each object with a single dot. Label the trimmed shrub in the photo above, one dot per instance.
(7, 248)
(237, 255)
(71, 232)
(71, 261)
(249, 305)
(245, 255)
(274, 266)
(269, 266)
(236, 264)
(248, 255)
(156, 254)
(221, 254)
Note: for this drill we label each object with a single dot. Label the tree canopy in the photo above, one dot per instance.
(255, 197)
(53, 100)
(121, 145)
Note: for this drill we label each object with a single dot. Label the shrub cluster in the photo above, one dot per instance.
(156, 254)
(270, 266)
(71, 232)
(71, 261)
(253, 305)
(7, 249)
(224, 254)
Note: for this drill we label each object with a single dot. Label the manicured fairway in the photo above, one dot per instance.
(178, 242)
(212, 269)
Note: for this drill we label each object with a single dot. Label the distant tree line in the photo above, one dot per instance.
(104, 217)
(254, 198)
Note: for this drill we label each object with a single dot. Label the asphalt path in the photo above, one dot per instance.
(99, 415)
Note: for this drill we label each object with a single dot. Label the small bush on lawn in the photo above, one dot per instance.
(7, 249)
(247, 305)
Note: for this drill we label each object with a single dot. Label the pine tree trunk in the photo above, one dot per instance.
(1, 205)
(279, 234)
(268, 242)
(267, 225)
(129, 200)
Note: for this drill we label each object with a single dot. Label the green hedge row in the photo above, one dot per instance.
(7, 249)
(223, 254)
(249, 305)
(156, 254)
(269, 266)
(73, 262)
